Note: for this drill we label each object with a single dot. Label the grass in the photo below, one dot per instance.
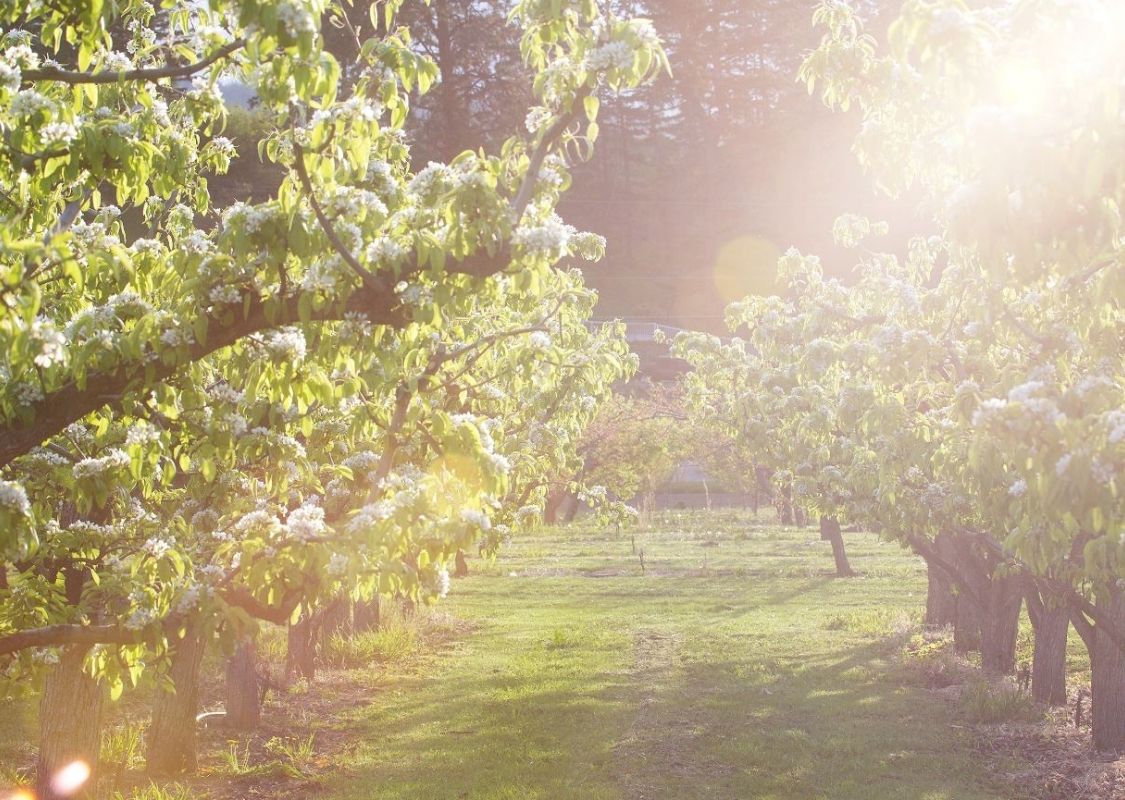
(736, 666)
(392, 642)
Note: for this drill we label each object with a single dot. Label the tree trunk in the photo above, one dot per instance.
(170, 748)
(244, 689)
(1000, 624)
(784, 499)
(300, 658)
(830, 532)
(570, 508)
(555, 500)
(461, 570)
(967, 615)
(70, 716)
(966, 625)
(941, 602)
(1107, 683)
(335, 618)
(1048, 663)
(366, 615)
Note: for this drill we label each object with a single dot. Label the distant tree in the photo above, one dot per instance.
(634, 445)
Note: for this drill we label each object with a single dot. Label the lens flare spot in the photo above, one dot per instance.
(1023, 86)
(20, 794)
(70, 778)
(746, 265)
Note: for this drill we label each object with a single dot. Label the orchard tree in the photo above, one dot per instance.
(634, 445)
(217, 415)
(966, 399)
(779, 407)
(1006, 118)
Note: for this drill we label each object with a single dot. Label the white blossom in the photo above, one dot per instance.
(21, 55)
(370, 515)
(478, 519)
(987, 409)
(1117, 426)
(286, 344)
(14, 498)
(157, 547)
(258, 523)
(92, 467)
(51, 343)
(29, 102)
(612, 55)
(296, 17)
(189, 598)
(10, 77)
(225, 295)
(338, 565)
(142, 434)
(306, 522)
(537, 117)
(385, 251)
(1102, 472)
(58, 133)
(176, 337)
(540, 340)
(1018, 489)
(1025, 392)
(550, 238)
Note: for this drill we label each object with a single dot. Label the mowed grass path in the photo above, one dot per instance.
(735, 666)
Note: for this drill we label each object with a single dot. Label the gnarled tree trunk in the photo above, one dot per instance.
(300, 657)
(967, 614)
(70, 717)
(941, 601)
(784, 501)
(366, 615)
(1048, 664)
(555, 499)
(335, 618)
(461, 568)
(1107, 677)
(244, 688)
(1000, 624)
(170, 746)
(830, 532)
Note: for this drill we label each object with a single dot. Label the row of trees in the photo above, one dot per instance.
(216, 416)
(967, 396)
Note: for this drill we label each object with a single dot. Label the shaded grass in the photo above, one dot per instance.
(739, 669)
(735, 665)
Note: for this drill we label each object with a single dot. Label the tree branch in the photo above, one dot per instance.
(550, 136)
(72, 402)
(325, 223)
(151, 74)
(56, 635)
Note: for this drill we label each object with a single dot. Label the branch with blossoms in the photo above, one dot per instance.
(148, 75)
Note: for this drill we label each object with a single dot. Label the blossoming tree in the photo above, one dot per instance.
(980, 380)
(211, 416)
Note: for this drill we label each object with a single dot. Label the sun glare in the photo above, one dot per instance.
(1023, 87)
(70, 778)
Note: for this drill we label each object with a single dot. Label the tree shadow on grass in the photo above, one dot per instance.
(494, 736)
(837, 727)
(735, 725)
